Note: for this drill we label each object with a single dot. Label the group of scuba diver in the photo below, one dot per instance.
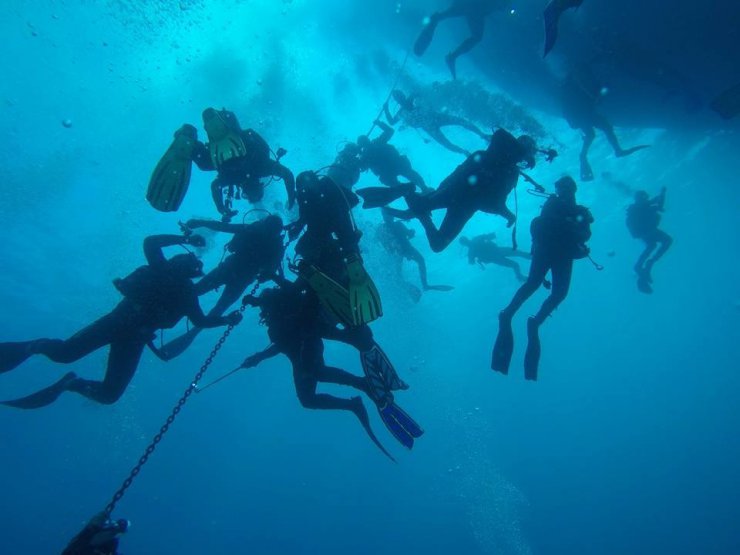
(330, 295)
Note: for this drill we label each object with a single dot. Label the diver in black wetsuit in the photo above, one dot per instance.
(559, 236)
(475, 12)
(241, 157)
(481, 183)
(643, 219)
(330, 268)
(256, 254)
(384, 160)
(346, 169)
(429, 121)
(155, 296)
(580, 94)
(293, 325)
(395, 238)
(484, 250)
(98, 537)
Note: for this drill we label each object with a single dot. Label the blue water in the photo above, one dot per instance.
(628, 443)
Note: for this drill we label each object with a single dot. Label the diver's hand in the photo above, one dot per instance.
(294, 230)
(251, 361)
(195, 240)
(249, 300)
(194, 223)
(233, 319)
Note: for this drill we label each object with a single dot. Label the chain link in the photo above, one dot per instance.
(170, 420)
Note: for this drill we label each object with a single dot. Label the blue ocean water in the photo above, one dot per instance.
(628, 443)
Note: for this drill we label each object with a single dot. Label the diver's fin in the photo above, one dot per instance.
(177, 346)
(364, 299)
(532, 354)
(381, 374)
(361, 413)
(438, 288)
(43, 397)
(171, 177)
(643, 284)
(406, 422)
(333, 296)
(628, 151)
(375, 197)
(551, 15)
(727, 104)
(425, 37)
(504, 346)
(13, 354)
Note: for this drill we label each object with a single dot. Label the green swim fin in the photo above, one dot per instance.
(727, 104)
(375, 197)
(171, 177)
(364, 299)
(333, 296)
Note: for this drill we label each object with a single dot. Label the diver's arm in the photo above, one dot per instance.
(202, 158)
(659, 201)
(253, 360)
(349, 237)
(154, 244)
(387, 131)
(214, 225)
(195, 313)
(393, 120)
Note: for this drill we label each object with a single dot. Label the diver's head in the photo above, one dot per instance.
(528, 150)
(351, 149)
(219, 123)
(305, 183)
(186, 265)
(273, 224)
(566, 187)
(363, 141)
(402, 100)
(641, 196)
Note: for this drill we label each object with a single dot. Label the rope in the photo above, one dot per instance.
(393, 87)
(514, 244)
(170, 420)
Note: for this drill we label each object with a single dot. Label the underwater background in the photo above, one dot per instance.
(628, 443)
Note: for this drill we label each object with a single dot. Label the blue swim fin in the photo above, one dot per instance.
(400, 424)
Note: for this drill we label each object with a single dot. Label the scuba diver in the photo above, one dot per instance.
(293, 325)
(580, 93)
(429, 121)
(474, 12)
(483, 250)
(98, 537)
(559, 236)
(481, 183)
(395, 238)
(346, 169)
(643, 219)
(330, 267)
(384, 160)
(551, 15)
(256, 254)
(156, 296)
(241, 158)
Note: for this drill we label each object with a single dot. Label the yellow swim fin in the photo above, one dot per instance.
(171, 177)
(364, 299)
(333, 296)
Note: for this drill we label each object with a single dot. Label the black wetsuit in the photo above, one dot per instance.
(384, 160)
(256, 254)
(395, 238)
(483, 250)
(559, 235)
(430, 122)
(156, 298)
(481, 183)
(643, 219)
(244, 172)
(345, 170)
(294, 327)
